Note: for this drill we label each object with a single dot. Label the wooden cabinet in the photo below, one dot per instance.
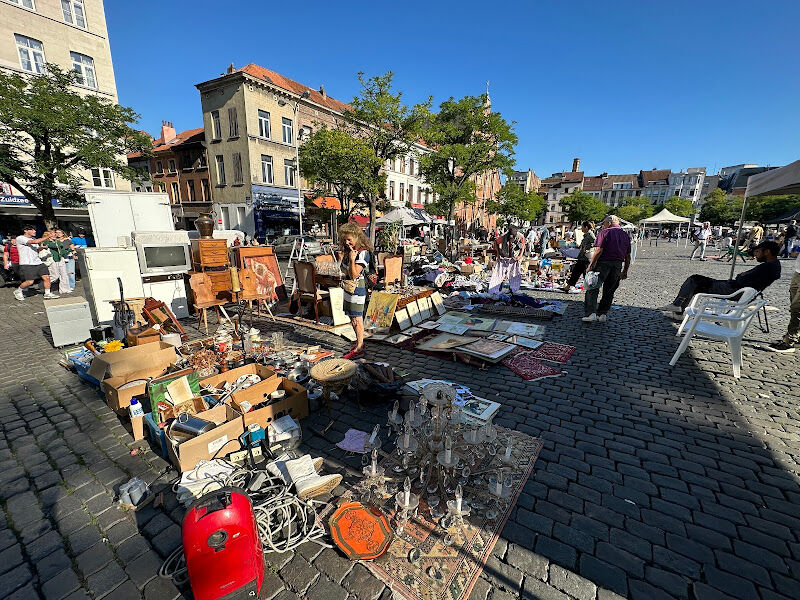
(209, 253)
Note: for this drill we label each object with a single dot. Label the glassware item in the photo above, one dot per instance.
(277, 341)
(433, 501)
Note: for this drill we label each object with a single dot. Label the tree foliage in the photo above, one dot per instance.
(634, 208)
(720, 208)
(49, 131)
(766, 208)
(580, 206)
(388, 127)
(334, 159)
(679, 206)
(466, 140)
(513, 204)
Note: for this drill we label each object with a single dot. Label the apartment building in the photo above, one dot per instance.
(616, 188)
(73, 35)
(404, 183)
(688, 185)
(527, 180)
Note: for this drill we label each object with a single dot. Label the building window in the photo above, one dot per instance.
(192, 192)
(176, 193)
(202, 158)
(402, 166)
(31, 54)
(410, 193)
(172, 165)
(266, 169)
(263, 124)
(84, 65)
(216, 125)
(159, 167)
(23, 3)
(102, 178)
(220, 169)
(305, 133)
(288, 172)
(402, 192)
(288, 133)
(206, 190)
(233, 123)
(391, 190)
(73, 12)
(419, 195)
(237, 168)
(241, 214)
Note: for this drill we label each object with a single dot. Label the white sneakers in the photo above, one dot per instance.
(595, 317)
(573, 290)
(673, 308)
(602, 318)
(51, 296)
(302, 473)
(19, 294)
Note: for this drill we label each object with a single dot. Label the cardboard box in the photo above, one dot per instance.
(265, 410)
(219, 442)
(232, 375)
(115, 369)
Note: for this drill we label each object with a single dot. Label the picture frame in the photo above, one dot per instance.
(261, 260)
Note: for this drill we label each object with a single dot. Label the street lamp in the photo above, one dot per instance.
(296, 127)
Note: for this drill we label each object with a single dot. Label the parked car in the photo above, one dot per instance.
(282, 245)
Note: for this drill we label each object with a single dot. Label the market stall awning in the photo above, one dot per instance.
(328, 202)
(664, 217)
(406, 216)
(359, 220)
(776, 182)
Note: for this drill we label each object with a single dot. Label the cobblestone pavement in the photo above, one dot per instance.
(655, 482)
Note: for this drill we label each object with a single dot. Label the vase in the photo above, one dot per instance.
(205, 225)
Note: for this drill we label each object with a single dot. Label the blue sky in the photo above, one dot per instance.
(623, 85)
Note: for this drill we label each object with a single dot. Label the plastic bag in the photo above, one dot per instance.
(592, 280)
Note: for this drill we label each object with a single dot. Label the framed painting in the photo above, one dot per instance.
(261, 260)
(380, 312)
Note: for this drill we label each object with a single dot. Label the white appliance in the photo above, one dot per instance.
(169, 289)
(100, 268)
(162, 252)
(116, 214)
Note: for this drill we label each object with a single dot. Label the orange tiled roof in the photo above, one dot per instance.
(592, 184)
(655, 175)
(190, 135)
(294, 87)
(573, 176)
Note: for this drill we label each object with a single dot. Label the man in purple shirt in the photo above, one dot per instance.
(611, 259)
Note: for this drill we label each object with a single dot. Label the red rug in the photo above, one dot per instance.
(529, 368)
(559, 353)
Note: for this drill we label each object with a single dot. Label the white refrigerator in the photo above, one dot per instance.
(100, 268)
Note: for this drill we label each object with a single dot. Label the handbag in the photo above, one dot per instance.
(349, 285)
(591, 280)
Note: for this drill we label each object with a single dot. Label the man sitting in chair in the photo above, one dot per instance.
(759, 278)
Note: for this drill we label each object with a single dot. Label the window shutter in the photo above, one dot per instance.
(234, 122)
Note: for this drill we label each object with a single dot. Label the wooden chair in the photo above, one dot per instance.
(393, 269)
(204, 297)
(305, 274)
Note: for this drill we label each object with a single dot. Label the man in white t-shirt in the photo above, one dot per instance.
(31, 267)
(701, 237)
(792, 338)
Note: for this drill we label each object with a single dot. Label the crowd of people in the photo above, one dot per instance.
(49, 258)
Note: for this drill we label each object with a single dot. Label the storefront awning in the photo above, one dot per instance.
(359, 220)
(328, 202)
(273, 200)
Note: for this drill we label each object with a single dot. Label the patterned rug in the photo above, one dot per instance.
(559, 353)
(523, 363)
(450, 560)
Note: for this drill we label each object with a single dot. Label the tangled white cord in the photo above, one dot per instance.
(284, 521)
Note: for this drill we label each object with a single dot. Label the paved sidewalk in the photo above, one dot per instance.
(655, 482)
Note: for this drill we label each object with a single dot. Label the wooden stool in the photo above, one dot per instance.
(334, 375)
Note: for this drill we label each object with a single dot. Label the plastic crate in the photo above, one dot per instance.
(81, 368)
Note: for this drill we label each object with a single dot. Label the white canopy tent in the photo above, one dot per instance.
(626, 225)
(775, 182)
(405, 215)
(666, 218)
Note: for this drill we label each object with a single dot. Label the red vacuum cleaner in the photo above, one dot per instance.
(223, 551)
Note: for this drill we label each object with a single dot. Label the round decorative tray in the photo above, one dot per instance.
(361, 532)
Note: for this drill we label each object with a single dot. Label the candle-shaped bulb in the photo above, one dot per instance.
(395, 408)
(374, 461)
(410, 413)
(448, 449)
(407, 491)
(509, 447)
(459, 497)
(407, 436)
(374, 434)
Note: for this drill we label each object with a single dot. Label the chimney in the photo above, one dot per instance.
(167, 131)
(322, 91)
(230, 69)
(576, 165)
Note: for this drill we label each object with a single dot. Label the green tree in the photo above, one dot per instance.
(466, 139)
(49, 132)
(634, 208)
(765, 208)
(389, 127)
(721, 209)
(333, 159)
(514, 204)
(581, 206)
(679, 206)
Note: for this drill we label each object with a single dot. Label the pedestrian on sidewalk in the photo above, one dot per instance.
(791, 340)
(58, 266)
(611, 260)
(788, 238)
(584, 256)
(759, 278)
(701, 238)
(11, 258)
(31, 267)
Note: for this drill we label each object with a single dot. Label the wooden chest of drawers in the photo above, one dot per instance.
(209, 253)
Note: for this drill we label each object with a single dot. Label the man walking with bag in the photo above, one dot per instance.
(701, 238)
(611, 260)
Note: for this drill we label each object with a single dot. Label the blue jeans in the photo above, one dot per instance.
(70, 271)
(609, 272)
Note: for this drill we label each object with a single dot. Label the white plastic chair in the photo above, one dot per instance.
(726, 327)
(743, 298)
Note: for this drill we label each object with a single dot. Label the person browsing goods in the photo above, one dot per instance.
(611, 260)
(354, 260)
(31, 266)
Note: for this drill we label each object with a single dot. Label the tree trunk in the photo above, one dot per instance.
(48, 213)
(450, 231)
(372, 202)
